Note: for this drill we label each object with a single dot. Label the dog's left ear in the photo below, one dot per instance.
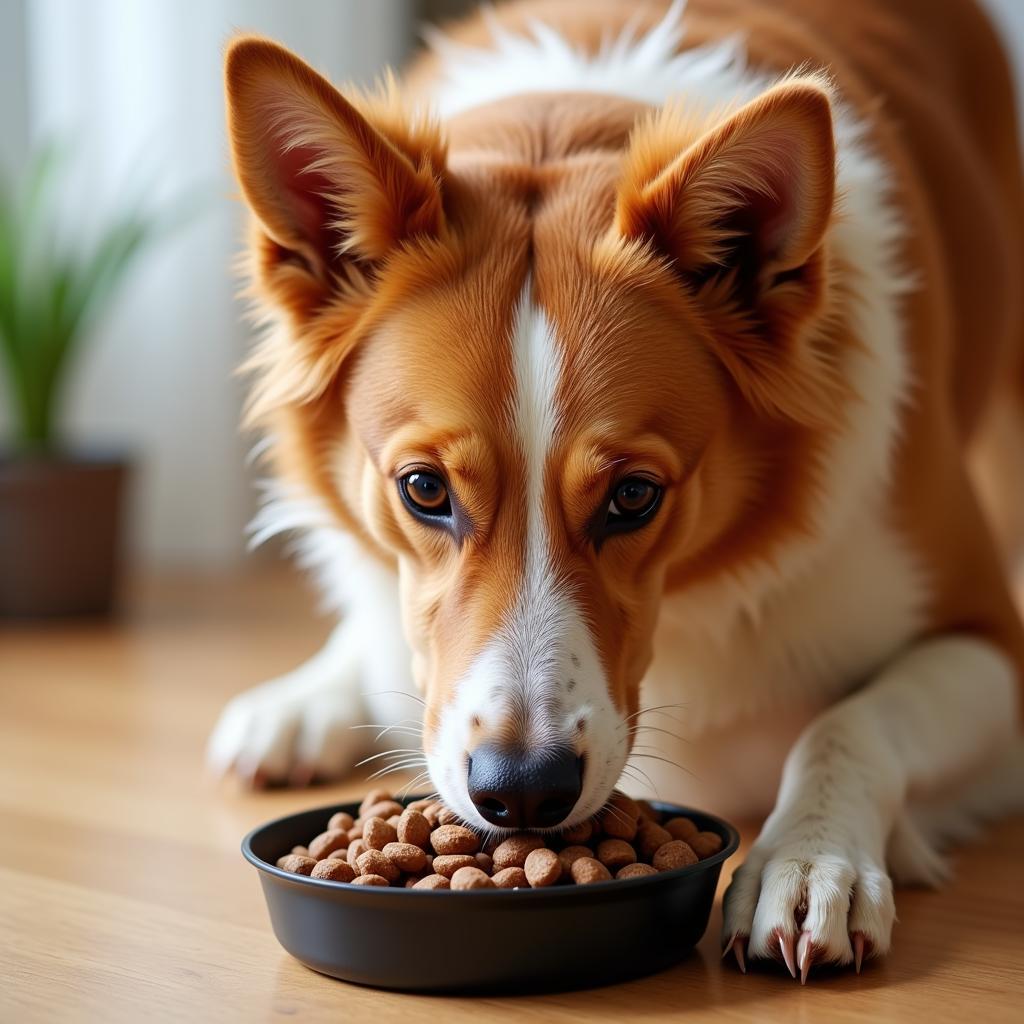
(741, 212)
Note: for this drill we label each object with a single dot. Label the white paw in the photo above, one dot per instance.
(292, 729)
(805, 897)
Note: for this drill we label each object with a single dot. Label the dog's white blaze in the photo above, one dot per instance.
(539, 682)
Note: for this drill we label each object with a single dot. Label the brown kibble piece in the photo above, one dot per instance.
(619, 819)
(383, 809)
(675, 854)
(704, 844)
(342, 820)
(413, 828)
(571, 854)
(681, 828)
(454, 839)
(587, 870)
(471, 878)
(581, 833)
(432, 882)
(406, 857)
(301, 851)
(334, 870)
(339, 855)
(327, 842)
(355, 832)
(419, 805)
(447, 864)
(370, 880)
(510, 878)
(615, 853)
(446, 816)
(647, 812)
(373, 862)
(649, 836)
(296, 864)
(512, 852)
(378, 833)
(356, 850)
(484, 861)
(636, 871)
(431, 812)
(375, 796)
(542, 867)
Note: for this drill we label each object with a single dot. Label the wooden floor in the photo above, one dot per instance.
(123, 896)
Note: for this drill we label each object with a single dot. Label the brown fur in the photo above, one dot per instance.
(396, 263)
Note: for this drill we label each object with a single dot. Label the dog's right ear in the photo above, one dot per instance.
(334, 194)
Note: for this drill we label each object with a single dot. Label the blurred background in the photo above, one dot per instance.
(130, 92)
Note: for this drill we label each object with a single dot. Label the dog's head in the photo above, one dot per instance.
(547, 377)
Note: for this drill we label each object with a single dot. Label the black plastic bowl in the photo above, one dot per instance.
(490, 940)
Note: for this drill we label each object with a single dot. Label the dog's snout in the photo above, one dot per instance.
(520, 789)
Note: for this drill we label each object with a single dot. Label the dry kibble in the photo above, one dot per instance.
(510, 878)
(375, 796)
(587, 870)
(406, 857)
(647, 812)
(334, 870)
(356, 850)
(446, 816)
(383, 809)
(413, 828)
(342, 820)
(681, 828)
(571, 854)
(636, 871)
(704, 844)
(649, 836)
(471, 878)
(378, 833)
(619, 818)
(615, 853)
(581, 833)
(327, 842)
(424, 846)
(448, 864)
(675, 854)
(542, 867)
(432, 882)
(454, 839)
(296, 864)
(373, 862)
(513, 851)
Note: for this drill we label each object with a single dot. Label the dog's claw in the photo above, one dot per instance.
(804, 956)
(858, 950)
(786, 946)
(737, 944)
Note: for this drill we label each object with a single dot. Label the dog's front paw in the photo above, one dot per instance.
(287, 732)
(803, 900)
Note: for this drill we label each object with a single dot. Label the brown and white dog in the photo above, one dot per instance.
(629, 353)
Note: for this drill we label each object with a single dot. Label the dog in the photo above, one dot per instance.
(634, 351)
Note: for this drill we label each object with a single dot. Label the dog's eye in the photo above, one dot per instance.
(632, 503)
(425, 494)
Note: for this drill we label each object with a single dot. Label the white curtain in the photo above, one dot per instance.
(134, 88)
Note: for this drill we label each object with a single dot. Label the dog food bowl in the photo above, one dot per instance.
(485, 940)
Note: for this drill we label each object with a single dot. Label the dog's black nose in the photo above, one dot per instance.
(515, 789)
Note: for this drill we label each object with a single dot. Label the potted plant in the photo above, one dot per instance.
(60, 508)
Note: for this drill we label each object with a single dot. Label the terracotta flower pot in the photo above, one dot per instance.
(60, 534)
